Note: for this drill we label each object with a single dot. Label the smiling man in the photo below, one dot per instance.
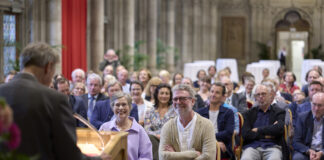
(187, 136)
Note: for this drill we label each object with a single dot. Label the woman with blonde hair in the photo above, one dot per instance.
(150, 88)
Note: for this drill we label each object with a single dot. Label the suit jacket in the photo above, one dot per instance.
(304, 132)
(100, 97)
(44, 118)
(78, 107)
(275, 130)
(239, 102)
(297, 109)
(225, 126)
(203, 140)
(103, 113)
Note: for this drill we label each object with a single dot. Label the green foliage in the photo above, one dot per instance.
(263, 51)
(138, 57)
(315, 53)
(161, 54)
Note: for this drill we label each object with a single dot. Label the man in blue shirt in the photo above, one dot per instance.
(263, 128)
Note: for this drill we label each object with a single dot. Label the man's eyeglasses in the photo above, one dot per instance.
(181, 99)
(260, 94)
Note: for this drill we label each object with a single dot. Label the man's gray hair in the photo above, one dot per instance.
(77, 70)
(119, 95)
(259, 85)
(184, 87)
(114, 82)
(94, 76)
(271, 85)
(38, 54)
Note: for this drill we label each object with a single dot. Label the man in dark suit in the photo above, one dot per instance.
(42, 114)
(234, 99)
(102, 111)
(263, 128)
(94, 84)
(222, 118)
(76, 102)
(309, 139)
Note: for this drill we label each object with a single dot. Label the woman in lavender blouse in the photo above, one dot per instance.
(139, 146)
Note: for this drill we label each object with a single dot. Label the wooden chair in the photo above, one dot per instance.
(218, 152)
(237, 148)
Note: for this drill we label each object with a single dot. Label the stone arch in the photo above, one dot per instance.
(282, 15)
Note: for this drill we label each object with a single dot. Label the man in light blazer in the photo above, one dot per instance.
(42, 114)
(187, 136)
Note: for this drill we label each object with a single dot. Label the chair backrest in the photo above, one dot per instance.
(218, 152)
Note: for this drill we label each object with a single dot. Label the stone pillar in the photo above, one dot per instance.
(129, 23)
(39, 21)
(213, 30)
(54, 28)
(197, 55)
(186, 53)
(97, 34)
(205, 35)
(254, 34)
(152, 34)
(1, 48)
(171, 35)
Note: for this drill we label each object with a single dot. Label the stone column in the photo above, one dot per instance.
(1, 48)
(54, 28)
(197, 30)
(129, 34)
(213, 30)
(152, 34)
(205, 35)
(97, 34)
(186, 54)
(39, 21)
(254, 33)
(171, 35)
(142, 27)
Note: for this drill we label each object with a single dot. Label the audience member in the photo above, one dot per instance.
(150, 88)
(310, 76)
(265, 73)
(204, 83)
(263, 128)
(212, 73)
(136, 90)
(78, 89)
(234, 99)
(156, 117)
(107, 79)
(109, 70)
(177, 77)
(110, 58)
(289, 85)
(139, 145)
(144, 76)
(165, 77)
(280, 74)
(200, 74)
(308, 138)
(76, 103)
(93, 96)
(188, 136)
(102, 111)
(122, 78)
(222, 119)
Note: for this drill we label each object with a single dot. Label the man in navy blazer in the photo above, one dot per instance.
(309, 139)
(102, 111)
(221, 117)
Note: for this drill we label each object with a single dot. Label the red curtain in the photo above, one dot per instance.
(74, 25)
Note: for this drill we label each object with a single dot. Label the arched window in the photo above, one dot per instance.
(9, 38)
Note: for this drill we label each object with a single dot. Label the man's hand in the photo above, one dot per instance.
(317, 155)
(255, 130)
(222, 146)
(169, 148)
(311, 154)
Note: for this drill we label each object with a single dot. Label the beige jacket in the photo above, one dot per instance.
(203, 141)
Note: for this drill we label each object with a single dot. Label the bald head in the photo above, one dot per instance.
(318, 105)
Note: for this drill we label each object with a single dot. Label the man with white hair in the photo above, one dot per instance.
(94, 84)
(122, 77)
(77, 75)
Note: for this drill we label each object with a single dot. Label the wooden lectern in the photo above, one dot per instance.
(112, 143)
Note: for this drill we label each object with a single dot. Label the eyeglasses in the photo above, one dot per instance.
(181, 99)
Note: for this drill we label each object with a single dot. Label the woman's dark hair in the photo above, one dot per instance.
(156, 93)
(319, 73)
(282, 68)
(293, 74)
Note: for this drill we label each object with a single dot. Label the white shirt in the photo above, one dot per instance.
(213, 115)
(126, 88)
(143, 108)
(185, 133)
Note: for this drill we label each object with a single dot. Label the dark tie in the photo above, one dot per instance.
(90, 108)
